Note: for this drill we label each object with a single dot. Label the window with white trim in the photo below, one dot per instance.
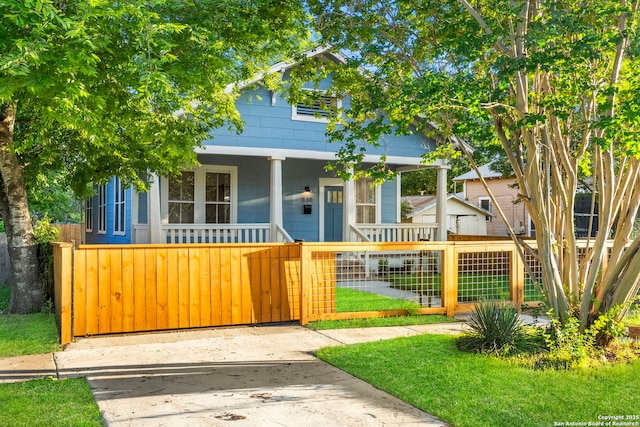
(182, 198)
(319, 109)
(102, 209)
(217, 198)
(88, 215)
(204, 195)
(118, 208)
(365, 201)
(485, 203)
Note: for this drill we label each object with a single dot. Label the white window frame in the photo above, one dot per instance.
(182, 201)
(312, 118)
(216, 203)
(376, 203)
(199, 193)
(119, 208)
(88, 215)
(488, 199)
(102, 209)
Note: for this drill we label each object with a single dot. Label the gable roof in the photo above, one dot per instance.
(485, 172)
(423, 203)
(282, 66)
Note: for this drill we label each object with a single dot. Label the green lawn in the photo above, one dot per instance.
(473, 390)
(48, 402)
(348, 300)
(23, 334)
(44, 402)
(472, 287)
(380, 321)
(26, 333)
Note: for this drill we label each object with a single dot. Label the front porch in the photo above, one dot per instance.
(264, 233)
(287, 199)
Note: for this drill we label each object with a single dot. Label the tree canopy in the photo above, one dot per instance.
(556, 84)
(97, 88)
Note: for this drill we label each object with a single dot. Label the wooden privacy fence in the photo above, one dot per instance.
(71, 232)
(102, 289)
(131, 288)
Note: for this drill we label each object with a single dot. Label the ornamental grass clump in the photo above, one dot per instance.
(496, 328)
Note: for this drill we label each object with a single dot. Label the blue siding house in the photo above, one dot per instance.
(268, 183)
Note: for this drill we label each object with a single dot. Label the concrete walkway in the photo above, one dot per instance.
(251, 376)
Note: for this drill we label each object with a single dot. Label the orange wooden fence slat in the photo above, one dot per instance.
(237, 315)
(162, 294)
(127, 290)
(249, 298)
(276, 282)
(139, 291)
(194, 287)
(116, 310)
(79, 294)
(225, 287)
(214, 284)
(91, 281)
(266, 287)
(183, 287)
(151, 290)
(205, 288)
(173, 289)
(104, 291)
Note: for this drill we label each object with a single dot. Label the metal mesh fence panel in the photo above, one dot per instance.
(375, 280)
(483, 276)
(531, 290)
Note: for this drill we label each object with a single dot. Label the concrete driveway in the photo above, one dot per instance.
(244, 376)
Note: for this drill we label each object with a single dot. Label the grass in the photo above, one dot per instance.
(471, 286)
(633, 317)
(43, 402)
(348, 300)
(28, 334)
(23, 334)
(379, 321)
(48, 402)
(466, 389)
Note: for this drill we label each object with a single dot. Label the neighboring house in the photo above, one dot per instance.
(463, 217)
(506, 194)
(268, 183)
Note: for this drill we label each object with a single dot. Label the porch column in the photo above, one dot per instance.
(153, 216)
(349, 209)
(441, 201)
(275, 202)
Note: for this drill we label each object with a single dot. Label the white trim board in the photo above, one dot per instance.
(300, 154)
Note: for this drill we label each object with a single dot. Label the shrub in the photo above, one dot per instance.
(44, 234)
(570, 347)
(497, 329)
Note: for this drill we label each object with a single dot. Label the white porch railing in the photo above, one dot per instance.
(216, 233)
(395, 232)
(282, 235)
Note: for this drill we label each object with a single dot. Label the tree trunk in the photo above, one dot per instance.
(26, 289)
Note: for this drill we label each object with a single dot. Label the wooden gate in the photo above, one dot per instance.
(132, 288)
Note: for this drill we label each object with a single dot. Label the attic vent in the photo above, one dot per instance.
(321, 110)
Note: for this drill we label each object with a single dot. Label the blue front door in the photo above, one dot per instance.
(333, 214)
